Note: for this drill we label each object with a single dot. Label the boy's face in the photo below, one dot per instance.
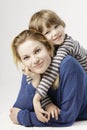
(55, 33)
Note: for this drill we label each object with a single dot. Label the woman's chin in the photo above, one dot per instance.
(41, 71)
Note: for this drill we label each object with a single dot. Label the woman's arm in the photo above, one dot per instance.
(23, 108)
(72, 90)
(22, 89)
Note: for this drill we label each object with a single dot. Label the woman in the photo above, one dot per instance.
(69, 95)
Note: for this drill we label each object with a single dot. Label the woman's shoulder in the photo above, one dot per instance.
(68, 60)
(70, 63)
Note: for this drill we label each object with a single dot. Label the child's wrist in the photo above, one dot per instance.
(37, 97)
(35, 83)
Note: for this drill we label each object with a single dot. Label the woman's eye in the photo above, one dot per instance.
(26, 57)
(38, 50)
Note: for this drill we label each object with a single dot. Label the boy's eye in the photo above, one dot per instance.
(47, 32)
(56, 26)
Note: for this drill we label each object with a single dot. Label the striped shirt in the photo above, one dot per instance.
(44, 101)
(69, 47)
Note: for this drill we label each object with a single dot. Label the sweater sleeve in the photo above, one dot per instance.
(72, 91)
(22, 88)
(29, 119)
(70, 102)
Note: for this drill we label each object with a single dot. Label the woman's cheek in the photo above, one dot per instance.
(27, 64)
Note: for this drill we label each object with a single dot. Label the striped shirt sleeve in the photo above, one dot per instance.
(69, 47)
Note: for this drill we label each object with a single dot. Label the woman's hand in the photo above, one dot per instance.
(25, 70)
(35, 77)
(53, 110)
(13, 115)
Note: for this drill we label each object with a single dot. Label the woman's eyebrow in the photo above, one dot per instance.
(36, 48)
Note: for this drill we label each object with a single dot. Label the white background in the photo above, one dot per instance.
(14, 18)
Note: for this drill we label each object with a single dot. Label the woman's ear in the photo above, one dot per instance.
(51, 53)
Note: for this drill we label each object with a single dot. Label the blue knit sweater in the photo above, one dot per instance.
(70, 97)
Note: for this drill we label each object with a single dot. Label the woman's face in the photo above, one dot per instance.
(35, 56)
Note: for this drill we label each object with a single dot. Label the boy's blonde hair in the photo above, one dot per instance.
(44, 18)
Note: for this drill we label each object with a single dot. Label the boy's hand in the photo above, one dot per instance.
(53, 110)
(41, 114)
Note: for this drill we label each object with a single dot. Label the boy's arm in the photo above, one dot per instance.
(50, 75)
(53, 70)
(51, 110)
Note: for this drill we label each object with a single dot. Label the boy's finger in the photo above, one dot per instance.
(45, 115)
(56, 114)
(52, 113)
(45, 119)
(48, 116)
(44, 112)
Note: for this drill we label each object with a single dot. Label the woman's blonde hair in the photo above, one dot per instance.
(44, 18)
(30, 35)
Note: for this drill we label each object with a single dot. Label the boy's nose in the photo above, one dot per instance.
(54, 36)
(54, 33)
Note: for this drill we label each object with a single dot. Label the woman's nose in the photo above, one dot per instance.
(35, 60)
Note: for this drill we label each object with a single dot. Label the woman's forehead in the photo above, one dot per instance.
(30, 45)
